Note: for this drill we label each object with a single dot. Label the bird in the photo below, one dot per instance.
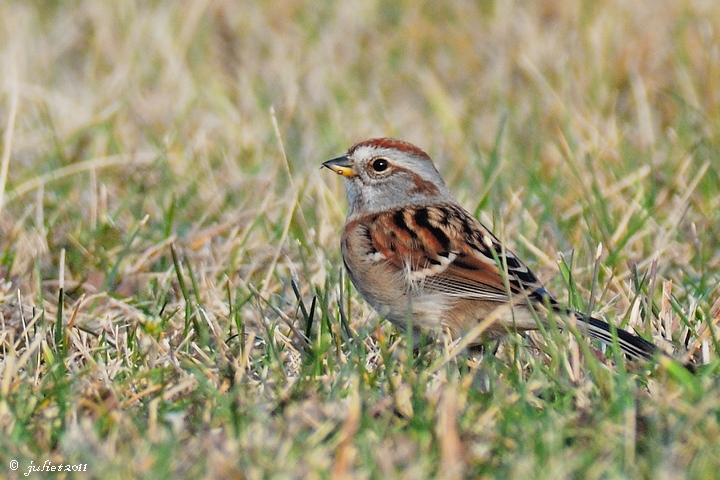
(423, 261)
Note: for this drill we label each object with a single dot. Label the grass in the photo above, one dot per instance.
(172, 300)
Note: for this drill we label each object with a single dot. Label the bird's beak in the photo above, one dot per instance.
(341, 166)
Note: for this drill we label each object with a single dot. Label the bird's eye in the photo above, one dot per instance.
(380, 165)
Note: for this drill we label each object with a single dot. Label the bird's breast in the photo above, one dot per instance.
(385, 286)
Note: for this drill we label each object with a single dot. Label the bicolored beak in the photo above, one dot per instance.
(341, 166)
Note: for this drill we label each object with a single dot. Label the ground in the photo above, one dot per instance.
(172, 299)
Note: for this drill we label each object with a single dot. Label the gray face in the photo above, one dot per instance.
(384, 177)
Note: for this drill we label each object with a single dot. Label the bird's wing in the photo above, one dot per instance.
(443, 248)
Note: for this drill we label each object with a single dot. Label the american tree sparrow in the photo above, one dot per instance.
(414, 253)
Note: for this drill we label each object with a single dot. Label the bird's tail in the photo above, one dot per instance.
(630, 344)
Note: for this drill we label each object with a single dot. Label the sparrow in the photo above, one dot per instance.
(420, 259)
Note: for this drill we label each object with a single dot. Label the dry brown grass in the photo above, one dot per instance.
(131, 127)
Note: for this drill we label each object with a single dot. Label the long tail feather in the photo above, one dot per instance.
(630, 344)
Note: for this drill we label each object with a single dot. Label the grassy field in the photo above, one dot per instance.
(172, 300)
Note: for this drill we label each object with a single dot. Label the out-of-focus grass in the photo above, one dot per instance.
(130, 128)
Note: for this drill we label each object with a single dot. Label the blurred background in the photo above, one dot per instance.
(128, 127)
(122, 110)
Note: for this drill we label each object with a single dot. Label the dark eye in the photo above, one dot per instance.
(380, 164)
